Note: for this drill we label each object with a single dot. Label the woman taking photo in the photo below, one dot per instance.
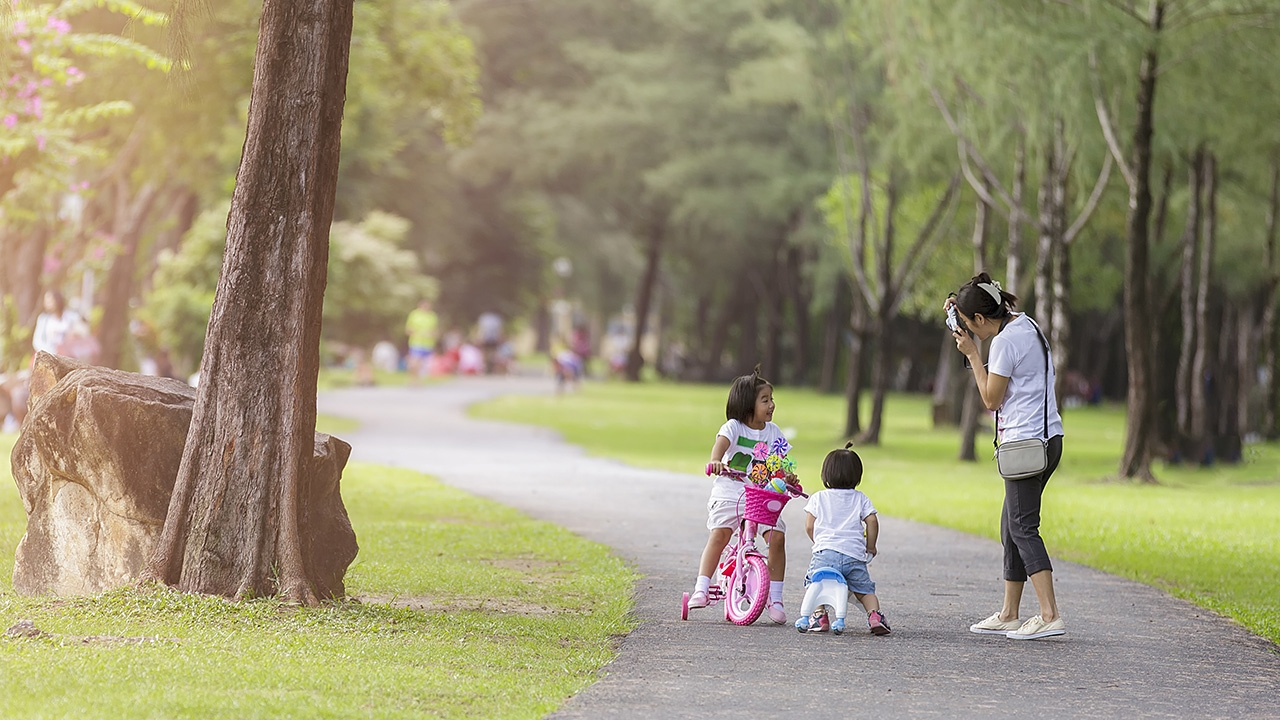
(1017, 384)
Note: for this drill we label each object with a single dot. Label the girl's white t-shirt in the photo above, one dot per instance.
(741, 441)
(1016, 353)
(838, 517)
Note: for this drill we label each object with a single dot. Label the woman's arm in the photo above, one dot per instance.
(991, 387)
(873, 532)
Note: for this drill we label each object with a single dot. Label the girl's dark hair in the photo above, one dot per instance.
(59, 302)
(742, 396)
(978, 297)
(842, 470)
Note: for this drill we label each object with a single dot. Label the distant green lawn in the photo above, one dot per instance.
(469, 609)
(1211, 536)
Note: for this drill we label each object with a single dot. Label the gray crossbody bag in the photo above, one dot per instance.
(1022, 459)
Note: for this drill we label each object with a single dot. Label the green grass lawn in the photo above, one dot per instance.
(1210, 536)
(469, 609)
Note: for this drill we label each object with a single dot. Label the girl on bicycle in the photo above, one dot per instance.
(834, 519)
(749, 413)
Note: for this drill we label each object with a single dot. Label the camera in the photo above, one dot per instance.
(953, 320)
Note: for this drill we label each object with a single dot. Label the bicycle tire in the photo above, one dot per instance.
(684, 607)
(748, 592)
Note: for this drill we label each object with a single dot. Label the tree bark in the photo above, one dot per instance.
(972, 409)
(1187, 286)
(653, 258)
(800, 297)
(1270, 343)
(832, 335)
(1049, 236)
(130, 217)
(853, 374)
(880, 365)
(232, 524)
(719, 338)
(1013, 259)
(1135, 462)
(1201, 425)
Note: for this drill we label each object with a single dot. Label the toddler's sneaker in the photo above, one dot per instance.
(877, 623)
(698, 600)
(995, 626)
(776, 612)
(1037, 628)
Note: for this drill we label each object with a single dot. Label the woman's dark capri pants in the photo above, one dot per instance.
(1024, 552)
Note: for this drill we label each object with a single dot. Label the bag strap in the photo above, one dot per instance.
(1044, 345)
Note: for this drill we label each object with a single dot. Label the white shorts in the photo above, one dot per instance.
(728, 513)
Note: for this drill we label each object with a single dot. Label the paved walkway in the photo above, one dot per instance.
(1131, 651)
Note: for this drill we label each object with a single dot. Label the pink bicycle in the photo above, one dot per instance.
(742, 576)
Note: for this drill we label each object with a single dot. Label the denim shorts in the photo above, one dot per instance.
(854, 571)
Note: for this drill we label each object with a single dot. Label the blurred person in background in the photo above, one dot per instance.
(54, 324)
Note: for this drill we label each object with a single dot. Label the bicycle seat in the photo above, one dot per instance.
(827, 573)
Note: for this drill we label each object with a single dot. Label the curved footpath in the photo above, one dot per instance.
(1131, 650)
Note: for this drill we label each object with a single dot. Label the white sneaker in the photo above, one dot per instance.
(1037, 628)
(995, 626)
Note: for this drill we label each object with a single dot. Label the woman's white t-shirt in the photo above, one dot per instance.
(52, 329)
(1016, 353)
(741, 441)
(838, 517)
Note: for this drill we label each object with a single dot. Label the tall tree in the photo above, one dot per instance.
(233, 519)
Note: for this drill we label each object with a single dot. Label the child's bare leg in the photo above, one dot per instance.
(716, 543)
(869, 602)
(777, 555)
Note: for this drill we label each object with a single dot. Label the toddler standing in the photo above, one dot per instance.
(834, 520)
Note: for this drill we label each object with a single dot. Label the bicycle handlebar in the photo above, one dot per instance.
(742, 477)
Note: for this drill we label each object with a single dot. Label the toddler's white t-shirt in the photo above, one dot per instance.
(741, 441)
(837, 521)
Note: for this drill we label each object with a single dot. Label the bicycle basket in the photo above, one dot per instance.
(762, 506)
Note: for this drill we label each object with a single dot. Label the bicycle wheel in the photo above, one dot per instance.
(748, 591)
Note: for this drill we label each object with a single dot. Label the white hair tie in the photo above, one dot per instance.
(993, 289)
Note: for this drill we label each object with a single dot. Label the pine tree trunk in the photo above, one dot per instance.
(1045, 248)
(1135, 462)
(1246, 362)
(1059, 330)
(944, 406)
(1270, 343)
(972, 407)
(719, 338)
(1013, 259)
(1201, 424)
(800, 298)
(130, 215)
(653, 257)
(1186, 347)
(26, 249)
(748, 354)
(232, 527)
(880, 337)
(832, 336)
(853, 375)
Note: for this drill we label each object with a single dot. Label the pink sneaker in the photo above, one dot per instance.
(698, 600)
(776, 613)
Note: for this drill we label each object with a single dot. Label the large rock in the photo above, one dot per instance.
(96, 462)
